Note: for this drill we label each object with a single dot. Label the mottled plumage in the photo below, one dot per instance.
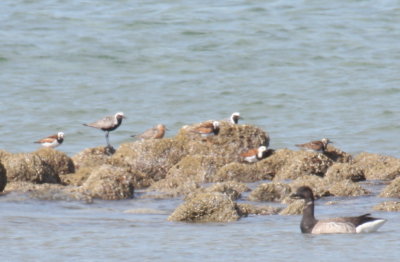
(315, 146)
(359, 224)
(107, 124)
(156, 132)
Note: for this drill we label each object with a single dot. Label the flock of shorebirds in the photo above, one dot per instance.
(309, 224)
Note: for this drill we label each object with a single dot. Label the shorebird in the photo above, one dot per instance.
(52, 141)
(359, 224)
(156, 132)
(234, 119)
(318, 146)
(107, 124)
(207, 129)
(254, 155)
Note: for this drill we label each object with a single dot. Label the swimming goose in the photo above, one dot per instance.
(361, 224)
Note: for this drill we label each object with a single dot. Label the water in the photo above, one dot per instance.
(301, 70)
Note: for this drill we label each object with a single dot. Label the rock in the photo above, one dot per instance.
(390, 206)
(3, 177)
(249, 209)
(347, 188)
(319, 185)
(151, 157)
(206, 207)
(392, 190)
(29, 167)
(303, 163)
(187, 175)
(378, 167)
(109, 183)
(231, 189)
(91, 157)
(270, 192)
(344, 171)
(77, 178)
(49, 191)
(337, 155)
(294, 208)
(58, 161)
(245, 173)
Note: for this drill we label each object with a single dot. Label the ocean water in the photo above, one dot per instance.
(301, 70)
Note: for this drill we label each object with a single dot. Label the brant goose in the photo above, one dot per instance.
(360, 224)
(52, 141)
(255, 154)
(107, 124)
(156, 132)
(318, 146)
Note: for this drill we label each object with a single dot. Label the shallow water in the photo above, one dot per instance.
(301, 70)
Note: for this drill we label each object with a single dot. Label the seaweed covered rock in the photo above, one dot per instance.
(389, 206)
(187, 174)
(270, 192)
(230, 141)
(91, 157)
(378, 167)
(294, 208)
(231, 188)
(344, 171)
(249, 209)
(392, 190)
(245, 173)
(109, 183)
(319, 185)
(347, 188)
(29, 167)
(58, 161)
(206, 207)
(151, 157)
(49, 191)
(337, 155)
(3, 177)
(303, 163)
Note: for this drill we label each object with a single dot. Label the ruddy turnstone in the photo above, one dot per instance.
(255, 154)
(234, 119)
(52, 141)
(156, 132)
(107, 124)
(318, 146)
(207, 129)
(309, 224)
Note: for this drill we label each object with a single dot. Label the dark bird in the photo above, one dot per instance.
(359, 224)
(156, 132)
(318, 146)
(255, 154)
(107, 124)
(52, 141)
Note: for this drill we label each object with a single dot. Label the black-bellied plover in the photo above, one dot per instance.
(107, 124)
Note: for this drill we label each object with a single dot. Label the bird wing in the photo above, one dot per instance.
(105, 123)
(149, 133)
(250, 152)
(48, 139)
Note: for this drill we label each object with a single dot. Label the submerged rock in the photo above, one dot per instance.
(249, 209)
(29, 167)
(270, 192)
(378, 167)
(206, 207)
(294, 208)
(390, 206)
(392, 190)
(109, 183)
(231, 189)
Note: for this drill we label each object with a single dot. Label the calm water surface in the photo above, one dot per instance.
(299, 69)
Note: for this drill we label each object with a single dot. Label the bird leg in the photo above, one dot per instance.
(108, 142)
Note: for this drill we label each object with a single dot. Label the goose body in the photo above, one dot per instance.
(341, 225)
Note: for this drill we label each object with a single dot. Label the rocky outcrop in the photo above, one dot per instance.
(274, 192)
(344, 171)
(378, 167)
(389, 206)
(392, 190)
(249, 209)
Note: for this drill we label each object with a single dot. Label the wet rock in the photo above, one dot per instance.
(151, 157)
(344, 171)
(294, 208)
(347, 188)
(53, 192)
(378, 167)
(58, 161)
(3, 177)
(91, 157)
(270, 192)
(77, 178)
(390, 206)
(231, 189)
(392, 190)
(206, 207)
(230, 141)
(29, 167)
(109, 183)
(245, 173)
(187, 174)
(319, 185)
(303, 163)
(249, 209)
